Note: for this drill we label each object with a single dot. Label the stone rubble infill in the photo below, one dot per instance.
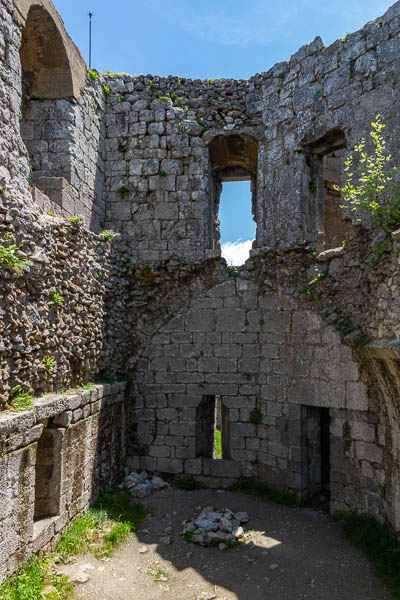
(141, 485)
(215, 528)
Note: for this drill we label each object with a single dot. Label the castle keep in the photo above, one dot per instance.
(299, 346)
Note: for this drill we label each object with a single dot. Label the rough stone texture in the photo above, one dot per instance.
(289, 336)
(53, 467)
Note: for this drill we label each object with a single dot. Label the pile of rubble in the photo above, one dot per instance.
(215, 528)
(141, 485)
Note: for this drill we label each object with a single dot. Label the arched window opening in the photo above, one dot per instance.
(233, 183)
(46, 78)
(326, 160)
(46, 70)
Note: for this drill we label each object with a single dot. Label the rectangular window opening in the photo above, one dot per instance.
(237, 228)
(212, 428)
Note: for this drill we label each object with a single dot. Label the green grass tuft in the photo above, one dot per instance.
(258, 488)
(18, 400)
(27, 584)
(218, 446)
(377, 543)
(83, 535)
(75, 540)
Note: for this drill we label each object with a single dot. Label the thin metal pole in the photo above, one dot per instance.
(90, 39)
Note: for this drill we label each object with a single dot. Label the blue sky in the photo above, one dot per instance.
(210, 39)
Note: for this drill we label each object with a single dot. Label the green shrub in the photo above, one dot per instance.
(27, 584)
(123, 191)
(93, 74)
(109, 234)
(372, 188)
(50, 363)
(9, 254)
(57, 299)
(76, 220)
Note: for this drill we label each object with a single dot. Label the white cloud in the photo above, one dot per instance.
(236, 253)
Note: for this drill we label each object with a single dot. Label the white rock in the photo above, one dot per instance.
(143, 549)
(238, 532)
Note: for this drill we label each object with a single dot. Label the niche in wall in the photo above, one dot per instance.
(48, 473)
(325, 158)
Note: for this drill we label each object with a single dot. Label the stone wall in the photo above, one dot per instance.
(64, 139)
(54, 461)
(306, 340)
(254, 349)
(159, 130)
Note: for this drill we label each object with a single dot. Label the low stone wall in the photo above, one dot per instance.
(54, 461)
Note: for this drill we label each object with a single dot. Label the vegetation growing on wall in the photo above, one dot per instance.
(372, 188)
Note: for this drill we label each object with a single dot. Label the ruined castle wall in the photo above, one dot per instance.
(261, 350)
(300, 338)
(13, 161)
(64, 139)
(157, 135)
(159, 130)
(54, 461)
(54, 144)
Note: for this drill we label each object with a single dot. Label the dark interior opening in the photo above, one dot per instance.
(212, 428)
(205, 427)
(48, 474)
(315, 452)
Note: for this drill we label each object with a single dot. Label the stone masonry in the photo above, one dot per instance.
(300, 344)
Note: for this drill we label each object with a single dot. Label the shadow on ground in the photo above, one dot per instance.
(290, 554)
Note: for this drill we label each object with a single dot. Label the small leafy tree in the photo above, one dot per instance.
(372, 188)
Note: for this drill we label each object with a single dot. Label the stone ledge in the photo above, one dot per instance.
(55, 404)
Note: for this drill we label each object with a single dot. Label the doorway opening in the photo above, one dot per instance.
(315, 453)
(233, 196)
(212, 428)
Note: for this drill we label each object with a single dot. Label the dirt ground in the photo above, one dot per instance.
(290, 554)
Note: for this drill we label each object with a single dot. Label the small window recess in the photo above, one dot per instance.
(48, 477)
(326, 162)
(233, 158)
(212, 428)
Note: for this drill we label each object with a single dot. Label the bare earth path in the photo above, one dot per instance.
(291, 554)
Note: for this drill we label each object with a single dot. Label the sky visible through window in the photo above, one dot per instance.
(237, 226)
